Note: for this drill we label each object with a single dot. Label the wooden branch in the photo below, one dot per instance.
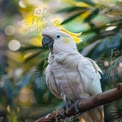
(85, 104)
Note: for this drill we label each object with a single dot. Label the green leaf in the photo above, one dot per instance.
(39, 75)
(88, 49)
(23, 49)
(99, 49)
(40, 67)
(92, 15)
(39, 87)
(32, 56)
(115, 63)
(94, 28)
(9, 92)
(72, 17)
(89, 2)
(24, 82)
(71, 9)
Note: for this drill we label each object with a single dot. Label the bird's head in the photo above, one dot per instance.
(58, 40)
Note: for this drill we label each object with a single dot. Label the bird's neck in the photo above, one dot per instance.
(60, 57)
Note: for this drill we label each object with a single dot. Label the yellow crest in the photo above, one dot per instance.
(75, 36)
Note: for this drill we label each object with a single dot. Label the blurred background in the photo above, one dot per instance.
(24, 96)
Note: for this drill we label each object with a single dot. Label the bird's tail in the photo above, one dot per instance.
(94, 115)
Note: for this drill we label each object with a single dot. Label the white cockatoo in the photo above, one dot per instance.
(69, 75)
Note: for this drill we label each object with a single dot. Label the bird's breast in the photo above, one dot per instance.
(68, 77)
(69, 82)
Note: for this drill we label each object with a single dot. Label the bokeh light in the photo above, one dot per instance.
(110, 28)
(21, 4)
(120, 64)
(14, 45)
(9, 30)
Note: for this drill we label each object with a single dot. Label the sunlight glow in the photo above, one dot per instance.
(27, 55)
(8, 109)
(21, 4)
(120, 64)
(110, 28)
(106, 63)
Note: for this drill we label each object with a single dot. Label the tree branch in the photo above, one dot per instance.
(85, 104)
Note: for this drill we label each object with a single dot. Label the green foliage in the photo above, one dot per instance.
(89, 2)
(26, 96)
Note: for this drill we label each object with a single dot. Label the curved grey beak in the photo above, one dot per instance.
(47, 42)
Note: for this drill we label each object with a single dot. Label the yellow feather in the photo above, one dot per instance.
(66, 40)
(75, 36)
(76, 39)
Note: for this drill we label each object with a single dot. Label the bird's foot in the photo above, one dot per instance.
(67, 106)
(77, 110)
(65, 109)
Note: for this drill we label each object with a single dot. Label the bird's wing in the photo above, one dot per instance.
(91, 80)
(97, 68)
(90, 76)
(51, 83)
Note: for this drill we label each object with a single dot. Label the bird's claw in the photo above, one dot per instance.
(65, 109)
(77, 111)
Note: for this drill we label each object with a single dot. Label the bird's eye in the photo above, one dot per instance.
(58, 36)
